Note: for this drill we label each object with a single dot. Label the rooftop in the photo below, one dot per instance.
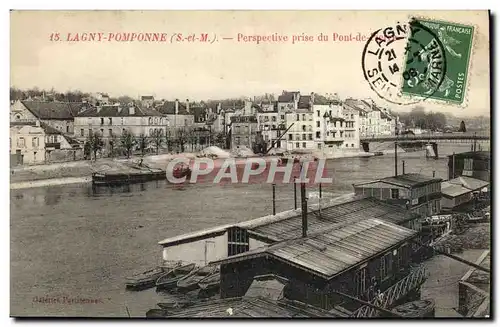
(405, 180)
(472, 184)
(113, 111)
(453, 190)
(244, 307)
(288, 96)
(330, 252)
(168, 108)
(53, 109)
(288, 224)
(263, 299)
(351, 211)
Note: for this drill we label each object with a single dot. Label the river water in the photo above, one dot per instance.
(77, 242)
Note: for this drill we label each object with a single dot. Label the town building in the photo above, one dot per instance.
(418, 193)
(336, 127)
(36, 142)
(288, 101)
(361, 259)
(147, 101)
(372, 121)
(475, 164)
(112, 121)
(243, 131)
(177, 114)
(271, 125)
(59, 115)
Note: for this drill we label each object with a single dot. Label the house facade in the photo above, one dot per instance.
(34, 143)
(336, 128)
(113, 121)
(243, 131)
(178, 115)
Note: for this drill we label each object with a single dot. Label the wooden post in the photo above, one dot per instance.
(274, 199)
(295, 192)
(403, 167)
(395, 158)
(453, 166)
(320, 193)
(304, 209)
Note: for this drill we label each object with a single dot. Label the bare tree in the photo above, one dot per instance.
(95, 143)
(143, 143)
(127, 142)
(182, 138)
(157, 138)
(112, 145)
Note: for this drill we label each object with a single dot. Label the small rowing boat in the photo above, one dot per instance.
(190, 282)
(210, 282)
(169, 280)
(145, 279)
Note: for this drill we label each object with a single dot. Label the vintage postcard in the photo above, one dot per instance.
(256, 164)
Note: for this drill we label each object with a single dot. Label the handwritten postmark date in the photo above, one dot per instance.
(404, 64)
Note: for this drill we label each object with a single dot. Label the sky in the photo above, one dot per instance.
(225, 68)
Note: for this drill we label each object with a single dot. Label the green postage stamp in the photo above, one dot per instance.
(438, 62)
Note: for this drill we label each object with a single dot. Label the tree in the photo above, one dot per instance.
(95, 143)
(182, 138)
(112, 145)
(157, 138)
(168, 140)
(143, 143)
(128, 142)
(462, 127)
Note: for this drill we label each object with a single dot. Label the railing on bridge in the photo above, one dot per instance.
(427, 137)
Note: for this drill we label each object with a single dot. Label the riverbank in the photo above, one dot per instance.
(81, 171)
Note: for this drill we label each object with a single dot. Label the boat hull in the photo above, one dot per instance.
(123, 178)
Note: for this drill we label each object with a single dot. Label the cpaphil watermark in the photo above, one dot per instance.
(247, 171)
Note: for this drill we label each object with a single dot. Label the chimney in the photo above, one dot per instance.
(312, 97)
(176, 106)
(37, 123)
(187, 105)
(304, 209)
(131, 110)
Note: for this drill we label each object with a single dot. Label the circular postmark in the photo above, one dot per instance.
(404, 64)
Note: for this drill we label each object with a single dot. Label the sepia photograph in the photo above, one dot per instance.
(170, 164)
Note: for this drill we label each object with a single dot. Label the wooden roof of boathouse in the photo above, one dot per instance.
(332, 251)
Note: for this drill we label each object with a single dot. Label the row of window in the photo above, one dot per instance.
(298, 137)
(110, 132)
(151, 121)
(35, 141)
